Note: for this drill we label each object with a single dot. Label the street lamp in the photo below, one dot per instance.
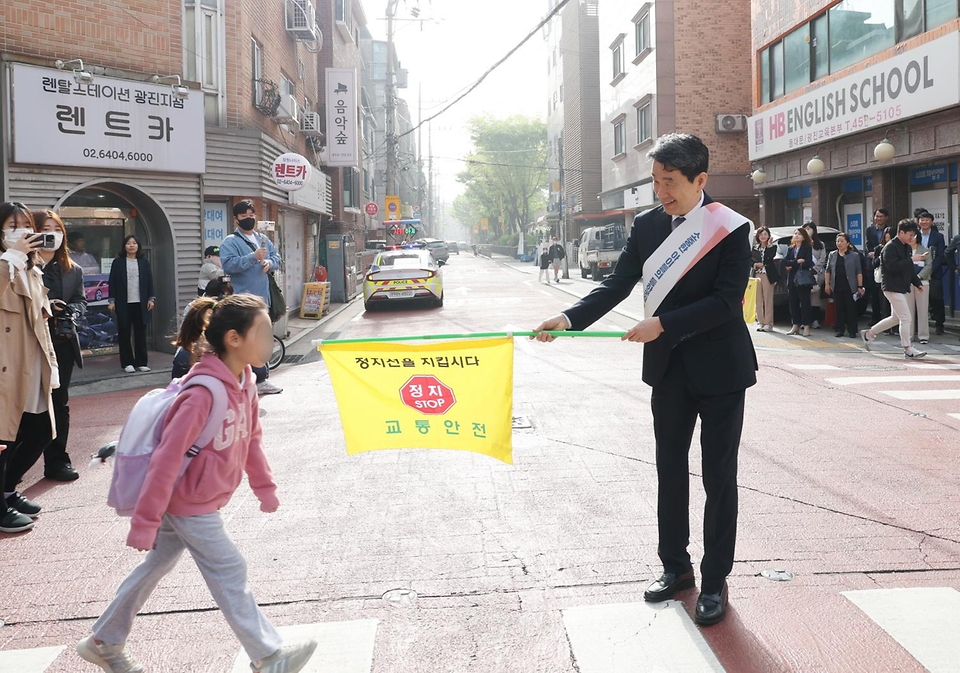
(81, 75)
(885, 150)
(759, 176)
(816, 166)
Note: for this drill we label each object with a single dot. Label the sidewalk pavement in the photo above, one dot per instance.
(102, 373)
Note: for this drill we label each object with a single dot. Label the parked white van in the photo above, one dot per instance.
(599, 250)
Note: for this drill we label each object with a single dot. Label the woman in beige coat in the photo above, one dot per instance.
(28, 363)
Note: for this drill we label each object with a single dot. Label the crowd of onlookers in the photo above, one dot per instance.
(898, 274)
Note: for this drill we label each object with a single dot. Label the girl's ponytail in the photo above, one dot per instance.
(194, 324)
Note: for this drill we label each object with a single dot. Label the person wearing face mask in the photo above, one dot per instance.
(247, 256)
(28, 363)
(64, 280)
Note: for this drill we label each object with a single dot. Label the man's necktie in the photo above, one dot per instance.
(677, 222)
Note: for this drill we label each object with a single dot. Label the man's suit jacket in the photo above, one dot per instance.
(702, 316)
(937, 245)
(872, 235)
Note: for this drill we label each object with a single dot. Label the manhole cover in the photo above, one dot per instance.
(400, 598)
(522, 423)
(777, 574)
(293, 359)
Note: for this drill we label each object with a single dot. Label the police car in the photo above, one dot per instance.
(398, 276)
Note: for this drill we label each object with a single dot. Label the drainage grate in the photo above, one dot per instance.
(293, 359)
(522, 423)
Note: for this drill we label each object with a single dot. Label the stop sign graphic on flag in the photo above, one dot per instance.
(428, 395)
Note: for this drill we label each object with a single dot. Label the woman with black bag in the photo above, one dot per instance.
(798, 264)
(132, 301)
(64, 281)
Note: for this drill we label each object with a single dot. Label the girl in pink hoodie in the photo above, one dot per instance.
(172, 516)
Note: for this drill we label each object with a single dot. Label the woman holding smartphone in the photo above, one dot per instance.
(28, 363)
(64, 280)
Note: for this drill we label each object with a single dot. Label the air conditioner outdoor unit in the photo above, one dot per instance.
(288, 112)
(310, 124)
(301, 19)
(731, 123)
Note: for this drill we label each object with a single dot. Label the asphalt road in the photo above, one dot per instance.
(430, 561)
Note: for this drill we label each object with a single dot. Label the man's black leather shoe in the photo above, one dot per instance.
(61, 473)
(711, 608)
(668, 585)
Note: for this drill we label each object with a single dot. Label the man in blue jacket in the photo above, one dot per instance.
(247, 257)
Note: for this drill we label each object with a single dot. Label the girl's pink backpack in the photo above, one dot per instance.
(141, 436)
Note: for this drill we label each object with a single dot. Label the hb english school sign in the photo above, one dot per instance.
(915, 82)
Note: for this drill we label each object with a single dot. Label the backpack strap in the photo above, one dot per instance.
(218, 412)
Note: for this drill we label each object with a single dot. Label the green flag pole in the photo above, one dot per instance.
(477, 335)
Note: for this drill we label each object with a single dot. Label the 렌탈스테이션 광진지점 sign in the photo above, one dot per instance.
(62, 120)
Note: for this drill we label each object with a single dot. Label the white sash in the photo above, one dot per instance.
(700, 233)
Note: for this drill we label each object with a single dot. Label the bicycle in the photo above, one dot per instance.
(278, 353)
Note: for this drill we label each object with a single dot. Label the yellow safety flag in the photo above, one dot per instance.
(750, 300)
(455, 395)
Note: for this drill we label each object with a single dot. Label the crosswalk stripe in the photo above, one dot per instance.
(925, 621)
(935, 365)
(923, 394)
(813, 368)
(855, 380)
(630, 637)
(956, 416)
(36, 660)
(344, 647)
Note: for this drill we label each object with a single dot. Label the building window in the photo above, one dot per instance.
(203, 31)
(776, 68)
(350, 188)
(796, 58)
(938, 12)
(644, 122)
(257, 53)
(765, 76)
(859, 29)
(617, 49)
(561, 93)
(287, 87)
(819, 43)
(554, 101)
(619, 137)
(344, 13)
(642, 32)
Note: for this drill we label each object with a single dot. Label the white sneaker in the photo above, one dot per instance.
(914, 353)
(865, 339)
(129, 369)
(288, 659)
(111, 658)
(267, 388)
(143, 369)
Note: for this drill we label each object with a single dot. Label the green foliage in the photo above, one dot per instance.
(506, 175)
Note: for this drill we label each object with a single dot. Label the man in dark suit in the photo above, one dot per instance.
(872, 236)
(933, 241)
(699, 359)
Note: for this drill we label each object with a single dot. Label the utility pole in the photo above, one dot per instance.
(420, 179)
(562, 218)
(430, 195)
(391, 105)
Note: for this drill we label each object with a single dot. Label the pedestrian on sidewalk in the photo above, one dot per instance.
(28, 363)
(766, 271)
(557, 253)
(175, 514)
(798, 264)
(132, 301)
(819, 256)
(697, 356)
(871, 248)
(843, 280)
(210, 270)
(931, 239)
(64, 281)
(247, 256)
(544, 274)
(899, 274)
(918, 300)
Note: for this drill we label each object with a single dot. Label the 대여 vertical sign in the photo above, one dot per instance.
(342, 119)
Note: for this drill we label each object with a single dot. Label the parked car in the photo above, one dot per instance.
(403, 275)
(453, 246)
(438, 249)
(375, 244)
(600, 249)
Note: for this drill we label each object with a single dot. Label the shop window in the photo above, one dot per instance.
(859, 29)
(796, 58)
